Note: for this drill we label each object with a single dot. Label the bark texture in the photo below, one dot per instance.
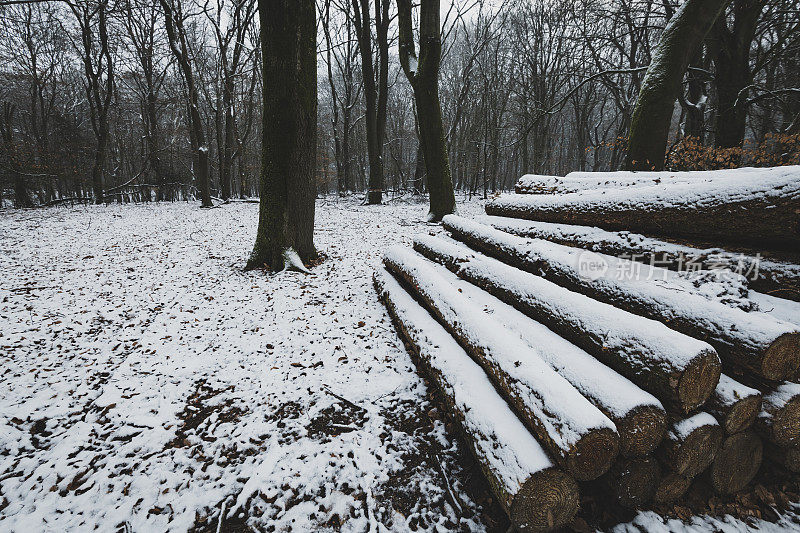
(690, 450)
(736, 463)
(652, 115)
(288, 190)
(680, 372)
(576, 434)
(540, 497)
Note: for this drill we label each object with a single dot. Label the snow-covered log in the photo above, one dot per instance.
(535, 493)
(634, 481)
(765, 275)
(736, 463)
(734, 405)
(638, 415)
(584, 181)
(752, 341)
(579, 436)
(671, 487)
(691, 444)
(679, 370)
(779, 419)
(762, 209)
(788, 458)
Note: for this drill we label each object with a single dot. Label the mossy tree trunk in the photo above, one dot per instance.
(286, 213)
(662, 83)
(423, 74)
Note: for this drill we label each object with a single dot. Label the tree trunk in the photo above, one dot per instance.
(732, 70)
(679, 371)
(652, 115)
(577, 434)
(779, 419)
(286, 214)
(671, 488)
(736, 463)
(423, 74)
(21, 196)
(734, 405)
(536, 494)
(691, 445)
(634, 481)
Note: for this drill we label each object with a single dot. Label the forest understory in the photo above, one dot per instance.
(149, 384)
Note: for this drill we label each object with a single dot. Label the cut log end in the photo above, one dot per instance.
(548, 500)
(782, 359)
(736, 463)
(786, 424)
(635, 481)
(696, 452)
(592, 455)
(672, 488)
(788, 458)
(699, 380)
(641, 430)
(742, 414)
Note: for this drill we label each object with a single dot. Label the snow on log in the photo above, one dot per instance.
(734, 405)
(634, 481)
(753, 341)
(584, 181)
(638, 415)
(788, 458)
(672, 487)
(778, 308)
(581, 438)
(536, 494)
(736, 463)
(766, 275)
(761, 208)
(779, 419)
(679, 370)
(691, 444)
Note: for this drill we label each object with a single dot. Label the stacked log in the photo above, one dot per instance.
(735, 405)
(535, 493)
(679, 370)
(738, 209)
(762, 274)
(736, 463)
(579, 436)
(745, 341)
(638, 415)
(556, 373)
(691, 445)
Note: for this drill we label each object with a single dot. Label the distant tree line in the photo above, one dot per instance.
(136, 100)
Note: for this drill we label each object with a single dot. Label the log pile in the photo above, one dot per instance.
(565, 374)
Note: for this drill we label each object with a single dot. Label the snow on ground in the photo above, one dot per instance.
(148, 384)
(146, 380)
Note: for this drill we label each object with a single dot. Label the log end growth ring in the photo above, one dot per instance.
(548, 500)
(737, 462)
(592, 455)
(742, 414)
(641, 430)
(699, 380)
(782, 359)
(698, 450)
(786, 424)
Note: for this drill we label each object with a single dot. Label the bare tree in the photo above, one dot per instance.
(285, 237)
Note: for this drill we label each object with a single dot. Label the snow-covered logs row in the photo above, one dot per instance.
(745, 206)
(746, 341)
(535, 493)
(618, 379)
(766, 275)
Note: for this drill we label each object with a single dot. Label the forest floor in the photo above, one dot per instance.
(148, 384)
